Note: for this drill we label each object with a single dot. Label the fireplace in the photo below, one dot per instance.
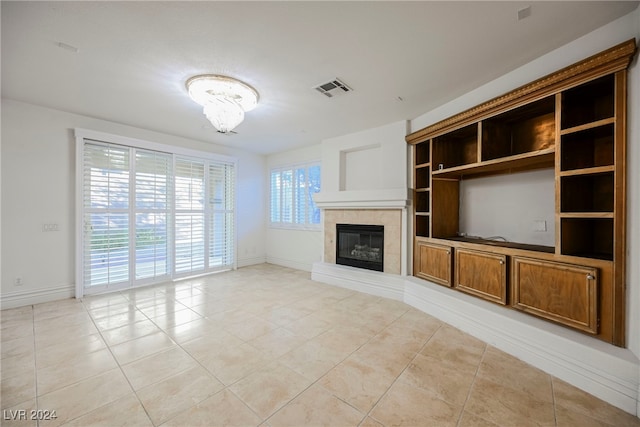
(360, 246)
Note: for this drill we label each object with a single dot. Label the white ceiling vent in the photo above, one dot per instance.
(333, 88)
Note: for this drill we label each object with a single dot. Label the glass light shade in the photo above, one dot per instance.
(225, 100)
(223, 113)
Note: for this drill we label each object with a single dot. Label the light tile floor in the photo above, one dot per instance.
(267, 346)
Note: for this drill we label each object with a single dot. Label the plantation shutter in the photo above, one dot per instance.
(221, 215)
(149, 216)
(152, 214)
(286, 186)
(291, 197)
(106, 194)
(276, 197)
(313, 187)
(189, 215)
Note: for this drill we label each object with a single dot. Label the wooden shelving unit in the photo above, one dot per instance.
(572, 121)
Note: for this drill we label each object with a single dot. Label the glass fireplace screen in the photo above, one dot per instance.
(360, 246)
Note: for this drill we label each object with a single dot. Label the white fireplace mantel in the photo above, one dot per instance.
(363, 199)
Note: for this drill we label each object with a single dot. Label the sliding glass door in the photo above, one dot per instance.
(150, 216)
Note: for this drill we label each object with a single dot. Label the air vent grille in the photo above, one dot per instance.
(333, 87)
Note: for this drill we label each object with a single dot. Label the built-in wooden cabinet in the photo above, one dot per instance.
(565, 293)
(481, 273)
(572, 122)
(433, 262)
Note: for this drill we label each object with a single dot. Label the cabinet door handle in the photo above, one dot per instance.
(501, 262)
(590, 277)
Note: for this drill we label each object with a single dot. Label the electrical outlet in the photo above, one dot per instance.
(18, 281)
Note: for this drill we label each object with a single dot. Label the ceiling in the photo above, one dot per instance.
(402, 59)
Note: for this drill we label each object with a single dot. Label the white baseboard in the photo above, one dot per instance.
(35, 296)
(297, 265)
(245, 262)
(605, 371)
(371, 282)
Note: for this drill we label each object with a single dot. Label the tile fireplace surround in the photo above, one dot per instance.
(391, 219)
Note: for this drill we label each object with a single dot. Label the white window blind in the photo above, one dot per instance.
(292, 190)
(190, 232)
(106, 214)
(152, 209)
(151, 216)
(221, 214)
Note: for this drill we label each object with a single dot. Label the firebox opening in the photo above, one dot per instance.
(360, 246)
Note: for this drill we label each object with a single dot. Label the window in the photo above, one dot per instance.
(292, 190)
(151, 215)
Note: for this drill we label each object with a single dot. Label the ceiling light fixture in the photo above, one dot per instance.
(224, 99)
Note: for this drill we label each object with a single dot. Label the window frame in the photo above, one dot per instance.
(295, 213)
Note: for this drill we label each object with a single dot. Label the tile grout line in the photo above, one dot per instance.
(342, 360)
(225, 387)
(175, 374)
(553, 398)
(475, 376)
(117, 363)
(322, 376)
(228, 387)
(400, 374)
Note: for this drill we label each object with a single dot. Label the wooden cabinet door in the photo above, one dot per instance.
(482, 274)
(433, 262)
(565, 293)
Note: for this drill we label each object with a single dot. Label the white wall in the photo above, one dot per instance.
(373, 159)
(38, 187)
(293, 248)
(509, 205)
(603, 38)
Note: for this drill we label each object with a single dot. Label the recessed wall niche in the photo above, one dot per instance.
(359, 168)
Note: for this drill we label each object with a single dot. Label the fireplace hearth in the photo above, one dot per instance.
(360, 246)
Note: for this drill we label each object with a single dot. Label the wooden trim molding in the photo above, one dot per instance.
(611, 60)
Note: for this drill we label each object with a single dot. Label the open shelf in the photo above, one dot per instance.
(456, 148)
(522, 130)
(588, 148)
(587, 237)
(531, 160)
(422, 201)
(587, 193)
(423, 176)
(422, 225)
(422, 153)
(589, 102)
